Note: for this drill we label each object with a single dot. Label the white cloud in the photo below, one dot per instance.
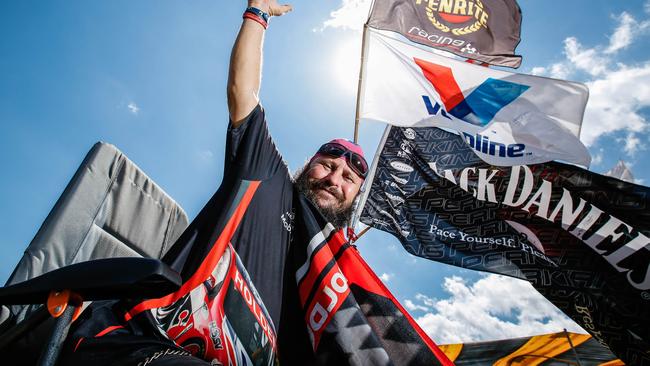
(646, 6)
(597, 158)
(494, 307)
(622, 37)
(616, 101)
(411, 306)
(386, 276)
(352, 14)
(559, 71)
(205, 155)
(588, 60)
(426, 300)
(631, 143)
(619, 91)
(538, 70)
(133, 108)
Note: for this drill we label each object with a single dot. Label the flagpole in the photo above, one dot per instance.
(575, 353)
(362, 74)
(367, 184)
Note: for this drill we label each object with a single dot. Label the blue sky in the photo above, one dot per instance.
(150, 76)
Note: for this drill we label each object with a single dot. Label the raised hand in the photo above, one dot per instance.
(271, 7)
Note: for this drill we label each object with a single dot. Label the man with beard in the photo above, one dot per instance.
(319, 179)
(254, 169)
(332, 178)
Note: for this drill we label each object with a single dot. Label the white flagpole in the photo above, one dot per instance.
(360, 90)
(360, 87)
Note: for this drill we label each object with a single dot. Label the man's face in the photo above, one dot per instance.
(332, 186)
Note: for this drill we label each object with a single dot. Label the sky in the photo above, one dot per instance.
(150, 76)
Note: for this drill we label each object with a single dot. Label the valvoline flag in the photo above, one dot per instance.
(508, 119)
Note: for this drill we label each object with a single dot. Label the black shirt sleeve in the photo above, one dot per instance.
(250, 152)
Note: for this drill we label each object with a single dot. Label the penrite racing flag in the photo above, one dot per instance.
(582, 239)
(507, 118)
(484, 30)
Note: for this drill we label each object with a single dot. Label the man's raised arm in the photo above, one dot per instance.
(246, 59)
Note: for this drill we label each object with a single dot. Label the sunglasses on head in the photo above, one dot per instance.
(355, 161)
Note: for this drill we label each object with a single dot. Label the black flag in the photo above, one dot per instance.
(483, 30)
(582, 239)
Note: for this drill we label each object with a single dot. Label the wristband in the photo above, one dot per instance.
(256, 18)
(257, 15)
(259, 12)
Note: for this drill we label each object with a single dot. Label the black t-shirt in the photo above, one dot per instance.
(263, 236)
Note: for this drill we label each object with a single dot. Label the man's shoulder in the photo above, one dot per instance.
(256, 114)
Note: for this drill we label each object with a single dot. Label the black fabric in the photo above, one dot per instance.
(98, 279)
(129, 345)
(261, 240)
(250, 155)
(580, 238)
(493, 39)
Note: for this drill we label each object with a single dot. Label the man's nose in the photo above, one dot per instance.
(335, 177)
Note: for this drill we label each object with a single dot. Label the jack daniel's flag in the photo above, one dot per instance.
(484, 30)
(582, 239)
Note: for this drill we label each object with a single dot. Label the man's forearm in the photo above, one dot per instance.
(245, 70)
(246, 62)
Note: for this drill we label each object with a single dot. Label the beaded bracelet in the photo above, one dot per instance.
(257, 15)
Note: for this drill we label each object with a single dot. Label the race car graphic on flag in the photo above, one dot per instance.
(483, 30)
(223, 319)
(508, 119)
(217, 314)
(581, 239)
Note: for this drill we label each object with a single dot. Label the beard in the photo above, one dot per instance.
(338, 214)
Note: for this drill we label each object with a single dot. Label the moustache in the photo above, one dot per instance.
(324, 186)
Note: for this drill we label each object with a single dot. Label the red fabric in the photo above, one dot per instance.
(78, 343)
(350, 262)
(442, 78)
(208, 263)
(108, 330)
(358, 272)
